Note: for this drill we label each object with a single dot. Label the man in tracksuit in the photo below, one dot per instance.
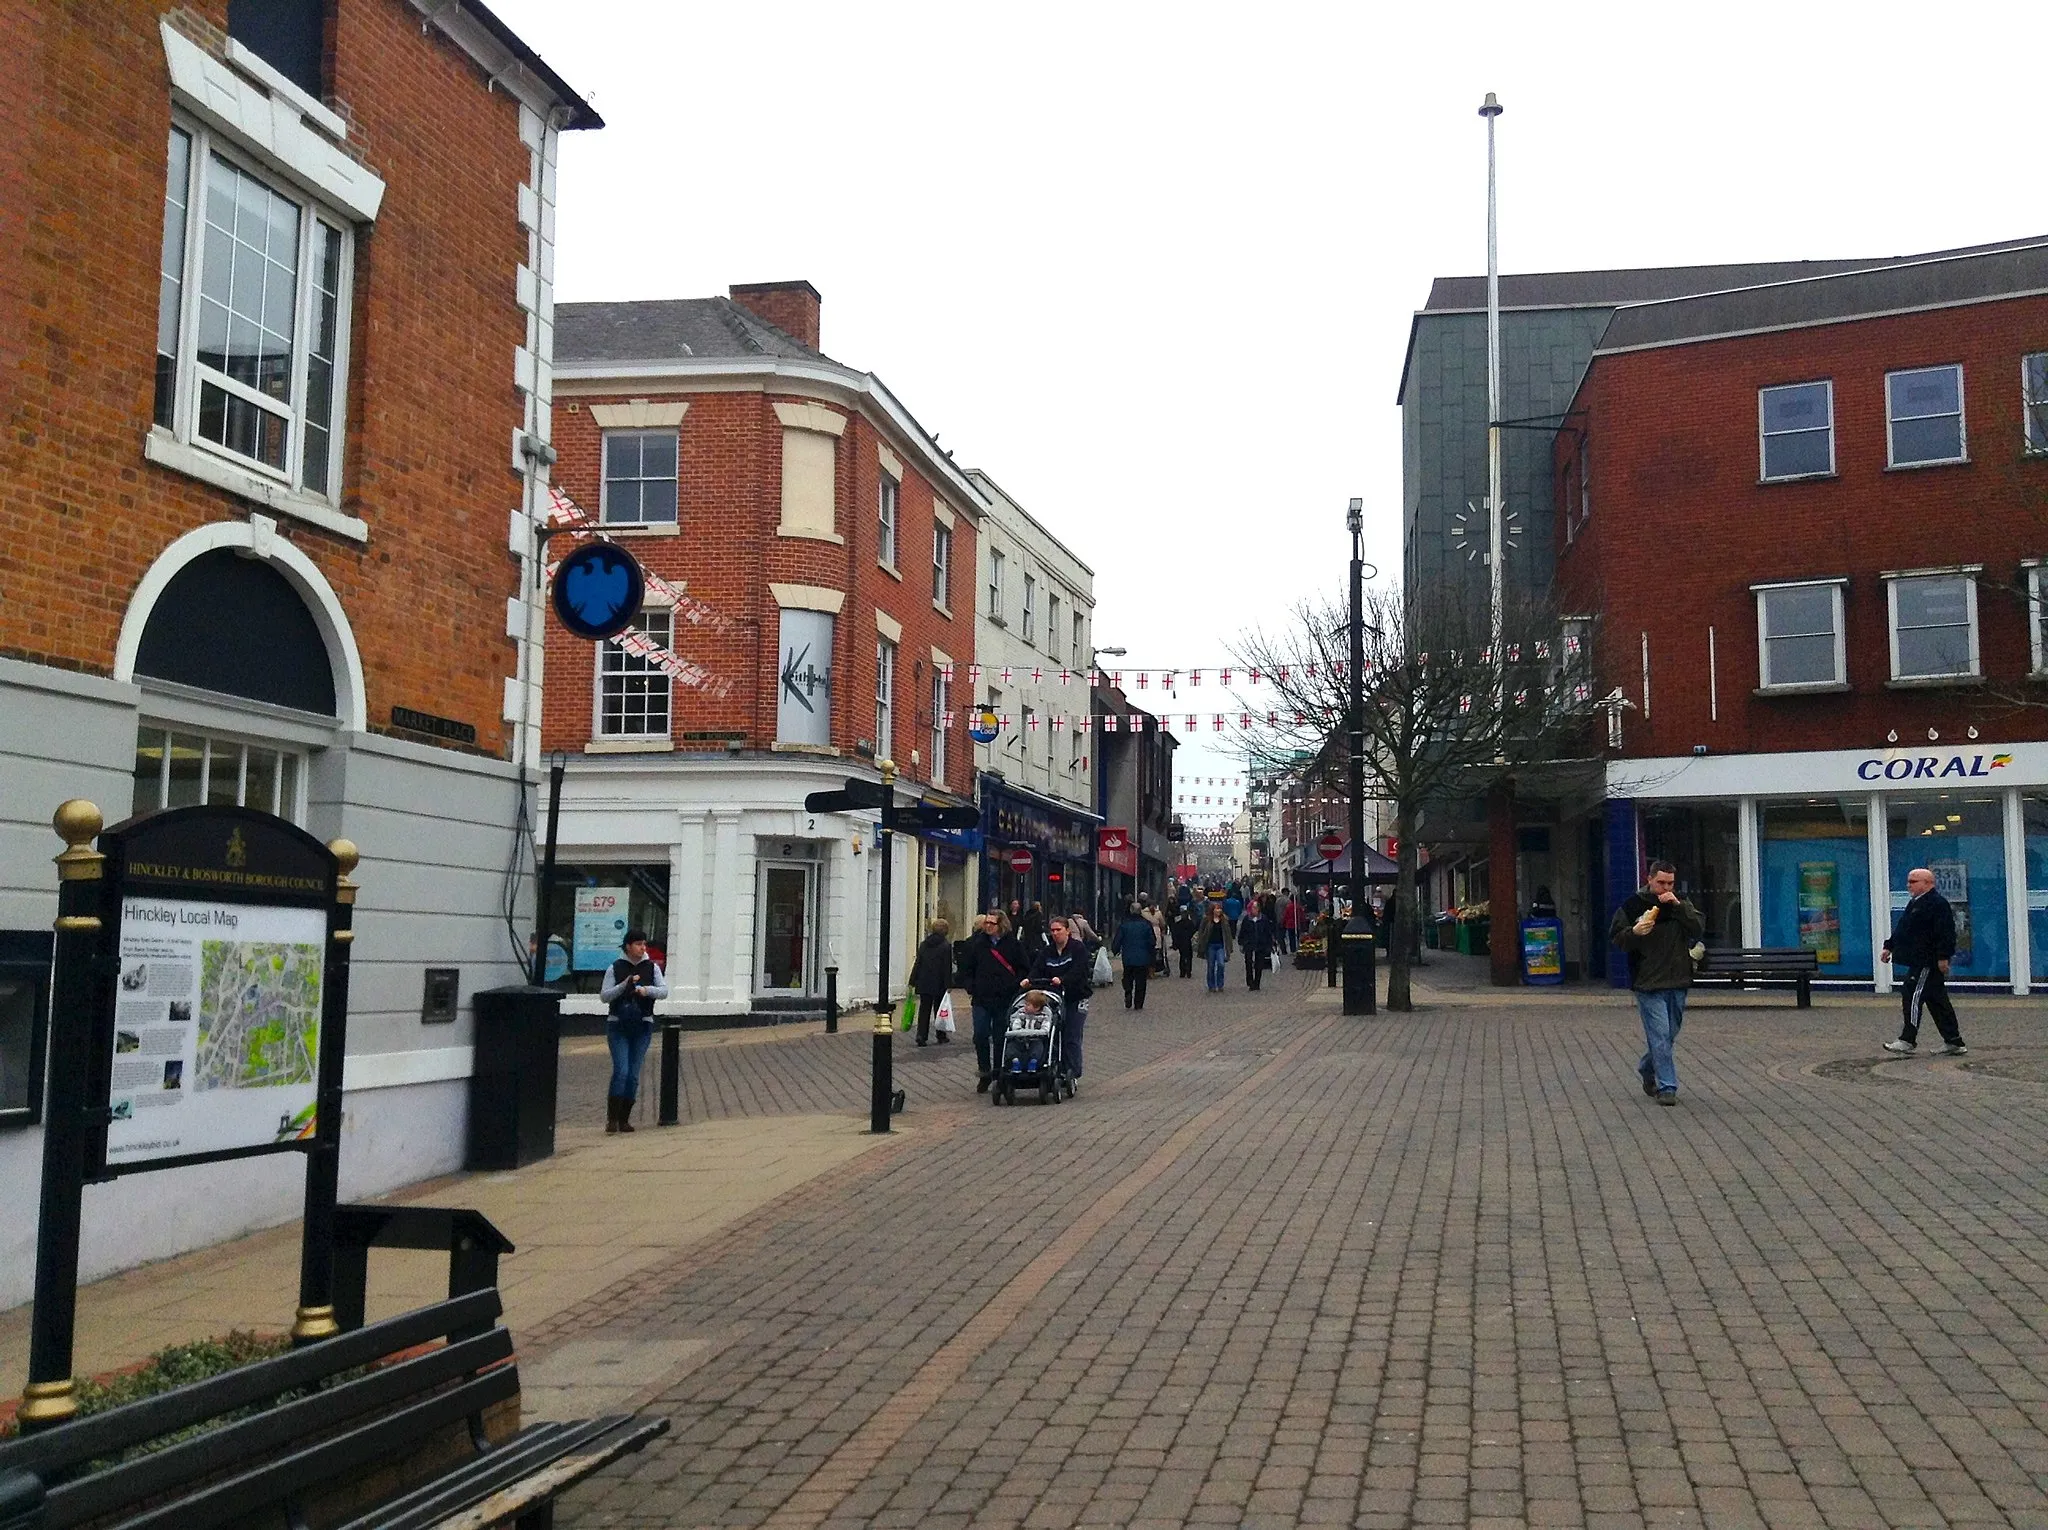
(1922, 943)
(1657, 929)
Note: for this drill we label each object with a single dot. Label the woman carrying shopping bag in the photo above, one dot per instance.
(931, 975)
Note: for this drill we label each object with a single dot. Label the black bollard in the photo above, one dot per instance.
(671, 1073)
(1330, 950)
(831, 1001)
(884, 1083)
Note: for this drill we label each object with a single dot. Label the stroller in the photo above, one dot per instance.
(1030, 1055)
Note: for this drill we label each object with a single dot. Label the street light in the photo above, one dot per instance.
(1359, 997)
(1491, 108)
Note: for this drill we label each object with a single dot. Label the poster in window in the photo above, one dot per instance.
(803, 691)
(1952, 881)
(600, 928)
(1820, 910)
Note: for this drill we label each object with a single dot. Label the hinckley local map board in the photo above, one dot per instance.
(216, 1027)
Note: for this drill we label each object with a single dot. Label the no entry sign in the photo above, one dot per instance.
(1330, 846)
(1020, 858)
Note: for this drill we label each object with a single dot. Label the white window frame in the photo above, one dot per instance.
(888, 515)
(885, 697)
(611, 654)
(942, 566)
(2035, 445)
(228, 747)
(2037, 610)
(1052, 622)
(1030, 607)
(1763, 638)
(604, 476)
(1891, 456)
(995, 587)
(1080, 639)
(939, 688)
(1763, 436)
(285, 484)
(1967, 573)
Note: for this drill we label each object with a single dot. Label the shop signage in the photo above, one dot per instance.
(1114, 850)
(1820, 912)
(597, 591)
(1020, 858)
(600, 929)
(1930, 767)
(803, 691)
(1010, 819)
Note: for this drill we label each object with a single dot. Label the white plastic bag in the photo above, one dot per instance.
(1101, 975)
(943, 1021)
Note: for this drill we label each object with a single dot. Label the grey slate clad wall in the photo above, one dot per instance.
(1544, 354)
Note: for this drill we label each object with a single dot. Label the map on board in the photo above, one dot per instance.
(259, 1014)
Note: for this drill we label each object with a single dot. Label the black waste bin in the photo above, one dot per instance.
(512, 1082)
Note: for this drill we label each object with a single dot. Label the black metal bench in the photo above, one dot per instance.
(1798, 964)
(335, 1439)
(469, 1239)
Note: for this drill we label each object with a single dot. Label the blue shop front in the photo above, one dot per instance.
(1813, 849)
(1057, 838)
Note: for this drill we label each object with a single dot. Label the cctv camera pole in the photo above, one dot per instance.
(884, 1074)
(1359, 979)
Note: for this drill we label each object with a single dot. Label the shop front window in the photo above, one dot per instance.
(1815, 868)
(1961, 839)
(592, 908)
(1703, 841)
(2034, 810)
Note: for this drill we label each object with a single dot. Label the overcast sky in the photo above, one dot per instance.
(1152, 267)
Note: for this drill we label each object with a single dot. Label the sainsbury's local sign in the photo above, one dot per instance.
(1903, 767)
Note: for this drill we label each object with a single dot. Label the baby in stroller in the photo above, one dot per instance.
(1031, 1051)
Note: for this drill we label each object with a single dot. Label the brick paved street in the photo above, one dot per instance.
(1276, 1267)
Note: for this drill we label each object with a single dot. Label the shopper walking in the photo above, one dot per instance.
(1183, 932)
(1290, 924)
(931, 975)
(1156, 917)
(1136, 942)
(1255, 936)
(1063, 968)
(1657, 928)
(995, 973)
(635, 981)
(1217, 944)
(1923, 943)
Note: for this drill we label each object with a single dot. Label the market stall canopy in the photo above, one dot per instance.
(1309, 866)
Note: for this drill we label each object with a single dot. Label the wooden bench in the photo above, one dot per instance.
(336, 1440)
(1799, 964)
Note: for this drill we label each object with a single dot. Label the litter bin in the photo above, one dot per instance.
(512, 1083)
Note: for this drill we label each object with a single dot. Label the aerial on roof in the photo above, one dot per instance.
(669, 329)
(1656, 284)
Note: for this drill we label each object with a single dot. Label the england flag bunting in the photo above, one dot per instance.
(1109, 722)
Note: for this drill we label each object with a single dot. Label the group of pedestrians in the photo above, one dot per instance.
(1662, 935)
(998, 965)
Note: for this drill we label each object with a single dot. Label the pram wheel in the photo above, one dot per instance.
(1048, 1091)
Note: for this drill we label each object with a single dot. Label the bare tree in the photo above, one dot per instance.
(1445, 717)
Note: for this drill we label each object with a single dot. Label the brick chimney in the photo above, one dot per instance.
(791, 307)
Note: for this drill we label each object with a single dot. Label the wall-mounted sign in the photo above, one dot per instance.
(1115, 852)
(984, 726)
(432, 726)
(597, 591)
(803, 685)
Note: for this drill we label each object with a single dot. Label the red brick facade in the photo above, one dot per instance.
(1680, 527)
(430, 403)
(728, 551)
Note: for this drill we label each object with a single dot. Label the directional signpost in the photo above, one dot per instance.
(861, 796)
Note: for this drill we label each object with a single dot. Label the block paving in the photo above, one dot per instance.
(1277, 1267)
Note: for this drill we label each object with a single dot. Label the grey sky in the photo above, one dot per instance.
(1152, 266)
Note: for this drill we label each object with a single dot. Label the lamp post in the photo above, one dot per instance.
(1103, 901)
(1359, 977)
(1496, 511)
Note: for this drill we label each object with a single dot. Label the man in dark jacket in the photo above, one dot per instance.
(1923, 941)
(1657, 929)
(1183, 932)
(995, 975)
(1137, 942)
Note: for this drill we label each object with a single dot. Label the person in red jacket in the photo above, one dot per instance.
(1290, 924)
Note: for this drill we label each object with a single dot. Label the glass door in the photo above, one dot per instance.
(783, 925)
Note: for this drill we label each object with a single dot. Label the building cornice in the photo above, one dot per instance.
(778, 374)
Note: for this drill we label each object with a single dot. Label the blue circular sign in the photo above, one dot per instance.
(984, 726)
(598, 590)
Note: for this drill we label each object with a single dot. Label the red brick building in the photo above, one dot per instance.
(273, 357)
(1804, 525)
(824, 551)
